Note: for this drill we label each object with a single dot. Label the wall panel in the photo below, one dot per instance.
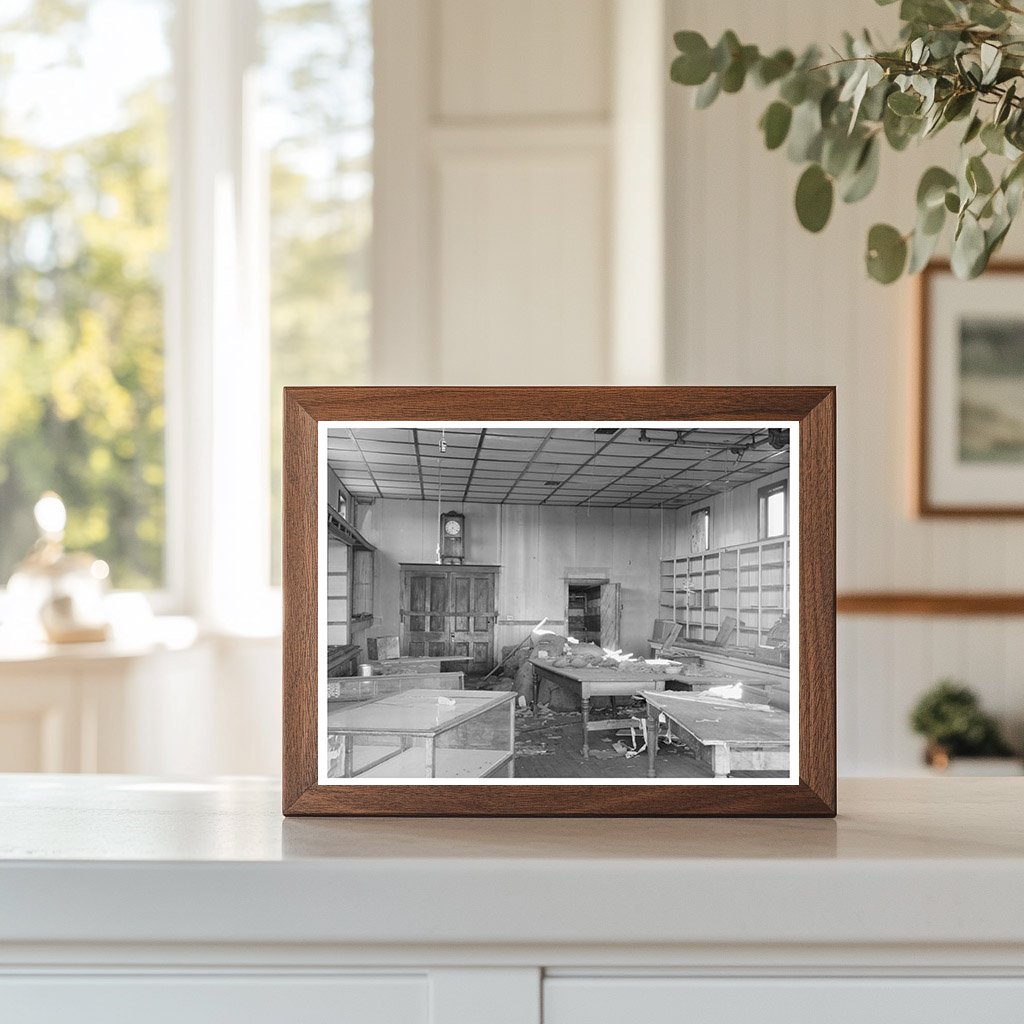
(558, 67)
(537, 548)
(512, 143)
(521, 271)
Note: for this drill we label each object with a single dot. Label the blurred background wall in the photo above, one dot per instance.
(423, 191)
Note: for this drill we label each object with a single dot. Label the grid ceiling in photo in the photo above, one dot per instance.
(602, 467)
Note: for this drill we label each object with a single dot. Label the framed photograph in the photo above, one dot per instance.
(559, 601)
(970, 445)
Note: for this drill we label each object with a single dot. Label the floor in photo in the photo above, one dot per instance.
(549, 745)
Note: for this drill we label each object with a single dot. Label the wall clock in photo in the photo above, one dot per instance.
(453, 538)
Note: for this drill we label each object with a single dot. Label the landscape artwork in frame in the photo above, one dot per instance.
(493, 604)
(970, 450)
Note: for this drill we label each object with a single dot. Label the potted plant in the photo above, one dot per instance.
(950, 717)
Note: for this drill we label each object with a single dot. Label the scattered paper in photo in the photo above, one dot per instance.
(991, 390)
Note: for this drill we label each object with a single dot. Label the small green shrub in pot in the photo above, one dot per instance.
(950, 717)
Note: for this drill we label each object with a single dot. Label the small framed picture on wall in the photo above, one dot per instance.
(970, 444)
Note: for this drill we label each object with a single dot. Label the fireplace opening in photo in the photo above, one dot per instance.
(539, 603)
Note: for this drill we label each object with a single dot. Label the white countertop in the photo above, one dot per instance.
(123, 859)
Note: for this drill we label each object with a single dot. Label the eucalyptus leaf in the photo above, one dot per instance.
(978, 176)
(968, 251)
(827, 106)
(873, 106)
(958, 105)
(987, 15)
(886, 253)
(993, 138)
(922, 247)
(814, 195)
(991, 57)
(775, 124)
(1014, 192)
(840, 152)
(973, 130)
(932, 221)
(1005, 105)
(931, 190)
(688, 69)
(991, 60)
(735, 74)
(771, 69)
(707, 93)
(794, 88)
(865, 174)
(900, 130)
(904, 103)
(933, 122)
(724, 51)
(805, 133)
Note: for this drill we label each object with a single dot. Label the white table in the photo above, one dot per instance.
(131, 898)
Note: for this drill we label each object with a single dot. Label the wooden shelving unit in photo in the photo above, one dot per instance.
(748, 583)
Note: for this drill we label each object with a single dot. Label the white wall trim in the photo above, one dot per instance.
(637, 348)
(402, 349)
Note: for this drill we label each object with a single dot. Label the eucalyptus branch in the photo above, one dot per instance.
(955, 61)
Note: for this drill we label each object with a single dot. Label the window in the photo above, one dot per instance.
(773, 510)
(213, 175)
(700, 530)
(317, 121)
(362, 583)
(83, 238)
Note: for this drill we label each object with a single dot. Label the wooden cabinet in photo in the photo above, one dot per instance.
(449, 611)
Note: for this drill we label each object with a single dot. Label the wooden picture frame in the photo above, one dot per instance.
(809, 791)
(940, 488)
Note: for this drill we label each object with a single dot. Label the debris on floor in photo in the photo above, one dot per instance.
(537, 731)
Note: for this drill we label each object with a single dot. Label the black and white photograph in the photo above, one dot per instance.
(549, 602)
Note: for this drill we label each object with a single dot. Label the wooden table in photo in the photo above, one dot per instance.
(426, 715)
(598, 682)
(726, 735)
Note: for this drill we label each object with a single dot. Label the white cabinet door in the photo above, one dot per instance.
(570, 1000)
(202, 999)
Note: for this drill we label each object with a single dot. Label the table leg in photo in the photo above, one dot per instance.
(652, 738)
(346, 756)
(585, 707)
(430, 757)
(512, 738)
(720, 760)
